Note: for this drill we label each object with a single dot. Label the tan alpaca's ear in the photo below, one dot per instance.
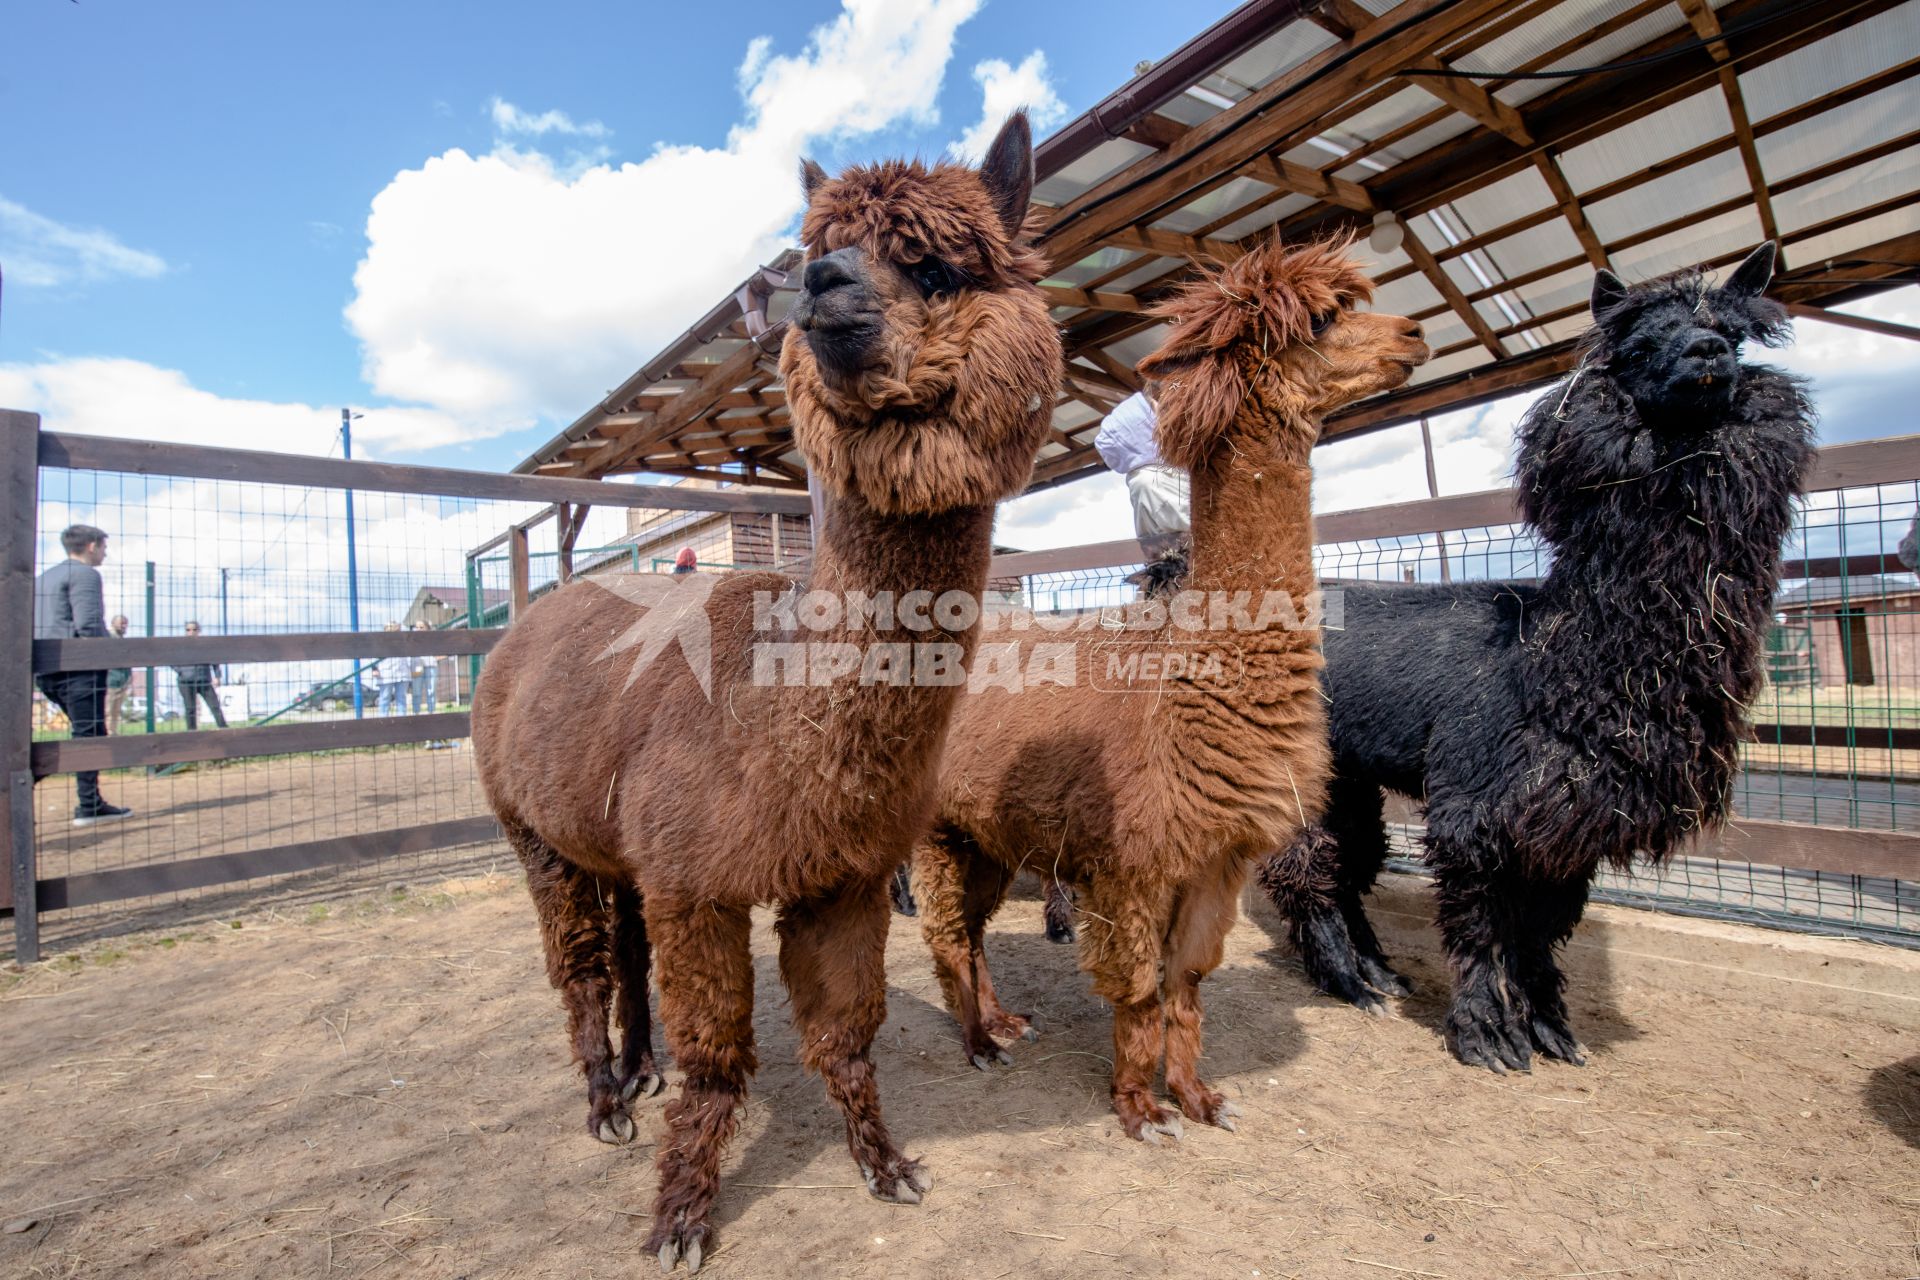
(1007, 171)
(1197, 403)
(812, 177)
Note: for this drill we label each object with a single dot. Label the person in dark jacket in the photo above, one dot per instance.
(68, 603)
(197, 683)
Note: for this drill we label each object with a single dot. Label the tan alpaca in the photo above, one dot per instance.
(922, 367)
(1153, 801)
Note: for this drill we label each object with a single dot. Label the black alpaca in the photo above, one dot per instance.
(1593, 716)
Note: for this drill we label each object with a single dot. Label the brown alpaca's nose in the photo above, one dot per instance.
(1414, 330)
(829, 273)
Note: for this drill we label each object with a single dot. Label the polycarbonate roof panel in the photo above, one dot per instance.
(1690, 245)
(1833, 135)
(1856, 188)
(1848, 55)
(1529, 250)
(1842, 241)
(1406, 296)
(1595, 53)
(1446, 366)
(1265, 216)
(1188, 110)
(1402, 108)
(1634, 147)
(1698, 186)
(1278, 54)
(1512, 197)
(1213, 206)
(1533, 38)
(1148, 269)
(1096, 166)
(1451, 126)
(1544, 297)
(1094, 265)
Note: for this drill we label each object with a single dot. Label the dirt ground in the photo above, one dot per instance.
(380, 1088)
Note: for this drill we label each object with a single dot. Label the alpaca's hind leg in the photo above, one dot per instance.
(1301, 880)
(901, 890)
(631, 960)
(1543, 917)
(573, 908)
(1195, 946)
(1121, 941)
(1059, 910)
(958, 888)
(1486, 1024)
(706, 1004)
(833, 960)
(1356, 818)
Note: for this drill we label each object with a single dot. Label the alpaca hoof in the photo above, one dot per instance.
(1555, 1040)
(616, 1129)
(981, 1062)
(1384, 980)
(1009, 1026)
(645, 1085)
(1226, 1116)
(907, 1183)
(1168, 1125)
(1061, 937)
(1030, 1035)
(683, 1242)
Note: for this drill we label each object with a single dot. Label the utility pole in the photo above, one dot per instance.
(353, 570)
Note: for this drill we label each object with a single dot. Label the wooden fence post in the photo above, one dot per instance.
(20, 476)
(518, 572)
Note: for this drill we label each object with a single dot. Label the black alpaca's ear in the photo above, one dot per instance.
(1752, 276)
(1608, 289)
(812, 177)
(1007, 171)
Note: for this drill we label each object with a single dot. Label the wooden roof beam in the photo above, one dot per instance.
(1092, 299)
(1341, 19)
(681, 410)
(1443, 283)
(1549, 166)
(1306, 181)
(1701, 15)
(1114, 369)
(1168, 244)
(1470, 100)
(1866, 324)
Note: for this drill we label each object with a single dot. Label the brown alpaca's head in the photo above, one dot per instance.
(1272, 340)
(920, 362)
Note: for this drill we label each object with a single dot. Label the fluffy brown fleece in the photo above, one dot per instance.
(650, 811)
(1154, 801)
(927, 423)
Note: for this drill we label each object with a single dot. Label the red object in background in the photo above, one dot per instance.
(685, 562)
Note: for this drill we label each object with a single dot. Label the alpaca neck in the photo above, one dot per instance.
(1232, 739)
(862, 550)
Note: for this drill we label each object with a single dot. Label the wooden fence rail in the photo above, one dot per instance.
(24, 449)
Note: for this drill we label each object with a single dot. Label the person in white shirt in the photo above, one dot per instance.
(1162, 495)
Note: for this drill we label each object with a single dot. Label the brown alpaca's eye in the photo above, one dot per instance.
(933, 277)
(1323, 322)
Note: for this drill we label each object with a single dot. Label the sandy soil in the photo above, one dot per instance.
(381, 1089)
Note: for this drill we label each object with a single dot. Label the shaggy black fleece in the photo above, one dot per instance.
(1588, 718)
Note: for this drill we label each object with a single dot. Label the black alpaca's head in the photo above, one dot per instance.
(1672, 345)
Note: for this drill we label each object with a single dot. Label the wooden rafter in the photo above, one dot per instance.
(1342, 19)
(1114, 369)
(1437, 276)
(1064, 296)
(1867, 324)
(1700, 15)
(1168, 244)
(1549, 166)
(1470, 100)
(1302, 180)
(684, 408)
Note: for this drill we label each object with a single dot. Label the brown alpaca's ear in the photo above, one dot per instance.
(1007, 172)
(812, 177)
(1196, 406)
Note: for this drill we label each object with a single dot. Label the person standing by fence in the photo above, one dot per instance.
(198, 682)
(391, 676)
(68, 603)
(119, 679)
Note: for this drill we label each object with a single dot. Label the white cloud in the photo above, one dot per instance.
(509, 119)
(506, 285)
(37, 252)
(1005, 89)
(117, 397)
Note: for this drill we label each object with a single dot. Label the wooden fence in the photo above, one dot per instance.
(24, 449)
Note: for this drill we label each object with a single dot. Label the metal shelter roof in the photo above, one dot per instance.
(1678, 132)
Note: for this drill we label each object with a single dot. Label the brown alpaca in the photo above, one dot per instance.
(921, 366)
(1152, 802)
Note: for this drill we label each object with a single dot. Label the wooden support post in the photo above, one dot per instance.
(20, 477)
(518, 575)
(1433, 491)
(571, 518)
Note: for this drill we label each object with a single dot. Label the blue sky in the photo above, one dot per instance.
(221, 221)
(228, 154)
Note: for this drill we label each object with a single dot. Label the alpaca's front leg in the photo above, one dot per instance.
(706, 1002)
(1196, 943)
(1301, 883)
(1486, 1025)
(833, 960)
(1546, 911)
(1120, 947)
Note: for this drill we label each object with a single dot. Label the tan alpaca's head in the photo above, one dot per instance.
(1273, 335)
(920, 362)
